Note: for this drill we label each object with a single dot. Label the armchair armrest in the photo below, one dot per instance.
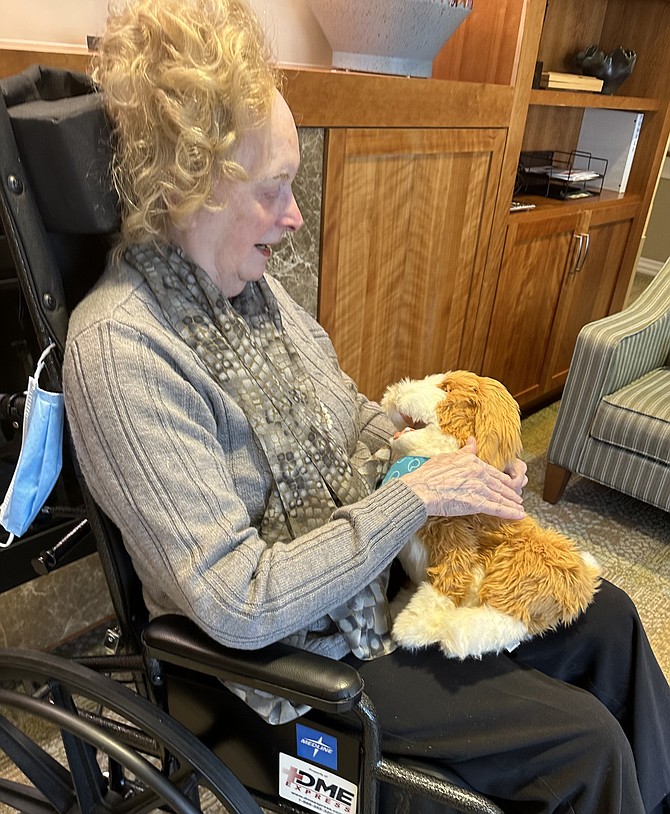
(609, 354)
(299, 676)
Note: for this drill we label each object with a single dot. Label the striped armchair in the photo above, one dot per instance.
(613, 423)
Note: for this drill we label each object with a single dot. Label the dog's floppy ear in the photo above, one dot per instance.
(457, 411)
(497, 424)
(482, 408)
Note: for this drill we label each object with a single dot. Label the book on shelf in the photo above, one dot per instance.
(611, 134)
(553, 80)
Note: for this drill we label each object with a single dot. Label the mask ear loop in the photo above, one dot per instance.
(41, 361)
(38, 369)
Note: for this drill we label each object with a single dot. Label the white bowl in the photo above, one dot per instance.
(388, 36)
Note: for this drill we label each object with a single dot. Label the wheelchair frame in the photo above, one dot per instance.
(166, 651)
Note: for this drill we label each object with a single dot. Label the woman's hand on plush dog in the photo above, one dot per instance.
(459, 483)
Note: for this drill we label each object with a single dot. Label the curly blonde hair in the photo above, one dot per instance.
(184, 81)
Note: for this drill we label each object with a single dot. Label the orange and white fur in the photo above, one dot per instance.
(481, 584)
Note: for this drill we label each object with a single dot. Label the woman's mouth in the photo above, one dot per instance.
(264, 249)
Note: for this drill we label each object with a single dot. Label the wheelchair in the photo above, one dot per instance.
(177, 730)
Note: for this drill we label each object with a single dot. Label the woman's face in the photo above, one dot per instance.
(233, 243)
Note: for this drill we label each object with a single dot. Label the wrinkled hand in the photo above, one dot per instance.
(458, 483)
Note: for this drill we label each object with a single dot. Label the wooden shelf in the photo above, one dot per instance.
(333, 98)
(607, 200)
(566, 98)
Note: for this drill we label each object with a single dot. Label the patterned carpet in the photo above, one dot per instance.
(630, 539)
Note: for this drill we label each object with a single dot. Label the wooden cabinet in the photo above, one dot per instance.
(422, 266)
(546, 291)
(410, 286)
(554, 117)
(588, 289)
(559, 271)
(539, 253)
(407, 219)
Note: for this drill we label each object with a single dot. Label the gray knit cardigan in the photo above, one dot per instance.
(172, 460)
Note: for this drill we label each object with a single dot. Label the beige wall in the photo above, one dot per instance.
(63, 22)
(296, 36)
(657, 243)
(294, 32)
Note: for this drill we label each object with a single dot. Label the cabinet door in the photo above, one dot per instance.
(407, 221)
(539, 253)
(587, 292)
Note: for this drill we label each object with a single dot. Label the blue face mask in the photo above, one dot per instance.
(40, 459)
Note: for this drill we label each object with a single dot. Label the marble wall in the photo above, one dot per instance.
(296, 263)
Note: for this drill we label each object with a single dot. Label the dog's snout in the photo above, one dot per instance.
(412, 423)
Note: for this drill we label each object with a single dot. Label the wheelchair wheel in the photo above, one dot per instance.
(72, 740)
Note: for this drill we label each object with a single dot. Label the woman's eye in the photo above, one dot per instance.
(271, 193)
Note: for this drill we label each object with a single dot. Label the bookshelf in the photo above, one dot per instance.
(503, 39)
(548, 98)
(541, 251)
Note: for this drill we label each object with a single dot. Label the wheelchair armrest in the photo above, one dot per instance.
(299, 676)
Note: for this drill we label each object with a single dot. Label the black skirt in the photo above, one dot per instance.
(575, 721)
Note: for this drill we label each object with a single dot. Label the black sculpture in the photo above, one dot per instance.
(612, 68)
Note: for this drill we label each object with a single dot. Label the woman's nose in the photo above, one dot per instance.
(292, 216)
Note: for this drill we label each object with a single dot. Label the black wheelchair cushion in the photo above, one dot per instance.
(64, 140)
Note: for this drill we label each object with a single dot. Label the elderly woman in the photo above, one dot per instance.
(215, 427)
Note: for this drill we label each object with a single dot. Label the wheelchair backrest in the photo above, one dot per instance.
(59, 209)
(59, 214)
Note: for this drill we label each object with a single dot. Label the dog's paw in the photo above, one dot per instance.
(590, 560)
(421, 622)
(473, 632)
(432, 618)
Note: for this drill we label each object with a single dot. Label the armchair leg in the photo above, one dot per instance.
(555, 480)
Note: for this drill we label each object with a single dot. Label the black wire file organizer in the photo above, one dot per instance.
(561, 174)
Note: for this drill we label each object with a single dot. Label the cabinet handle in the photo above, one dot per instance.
(575, 268)
(580, 266)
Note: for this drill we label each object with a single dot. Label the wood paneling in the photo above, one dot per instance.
(343, 99)
(14, 60)
(570, 26)
(407, 222)
(553, 128)
(486, 47)
(644, 28)
(320, 98)
(586, 295)
(537, 254)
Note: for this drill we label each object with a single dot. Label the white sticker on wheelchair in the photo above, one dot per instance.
(315, 788)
